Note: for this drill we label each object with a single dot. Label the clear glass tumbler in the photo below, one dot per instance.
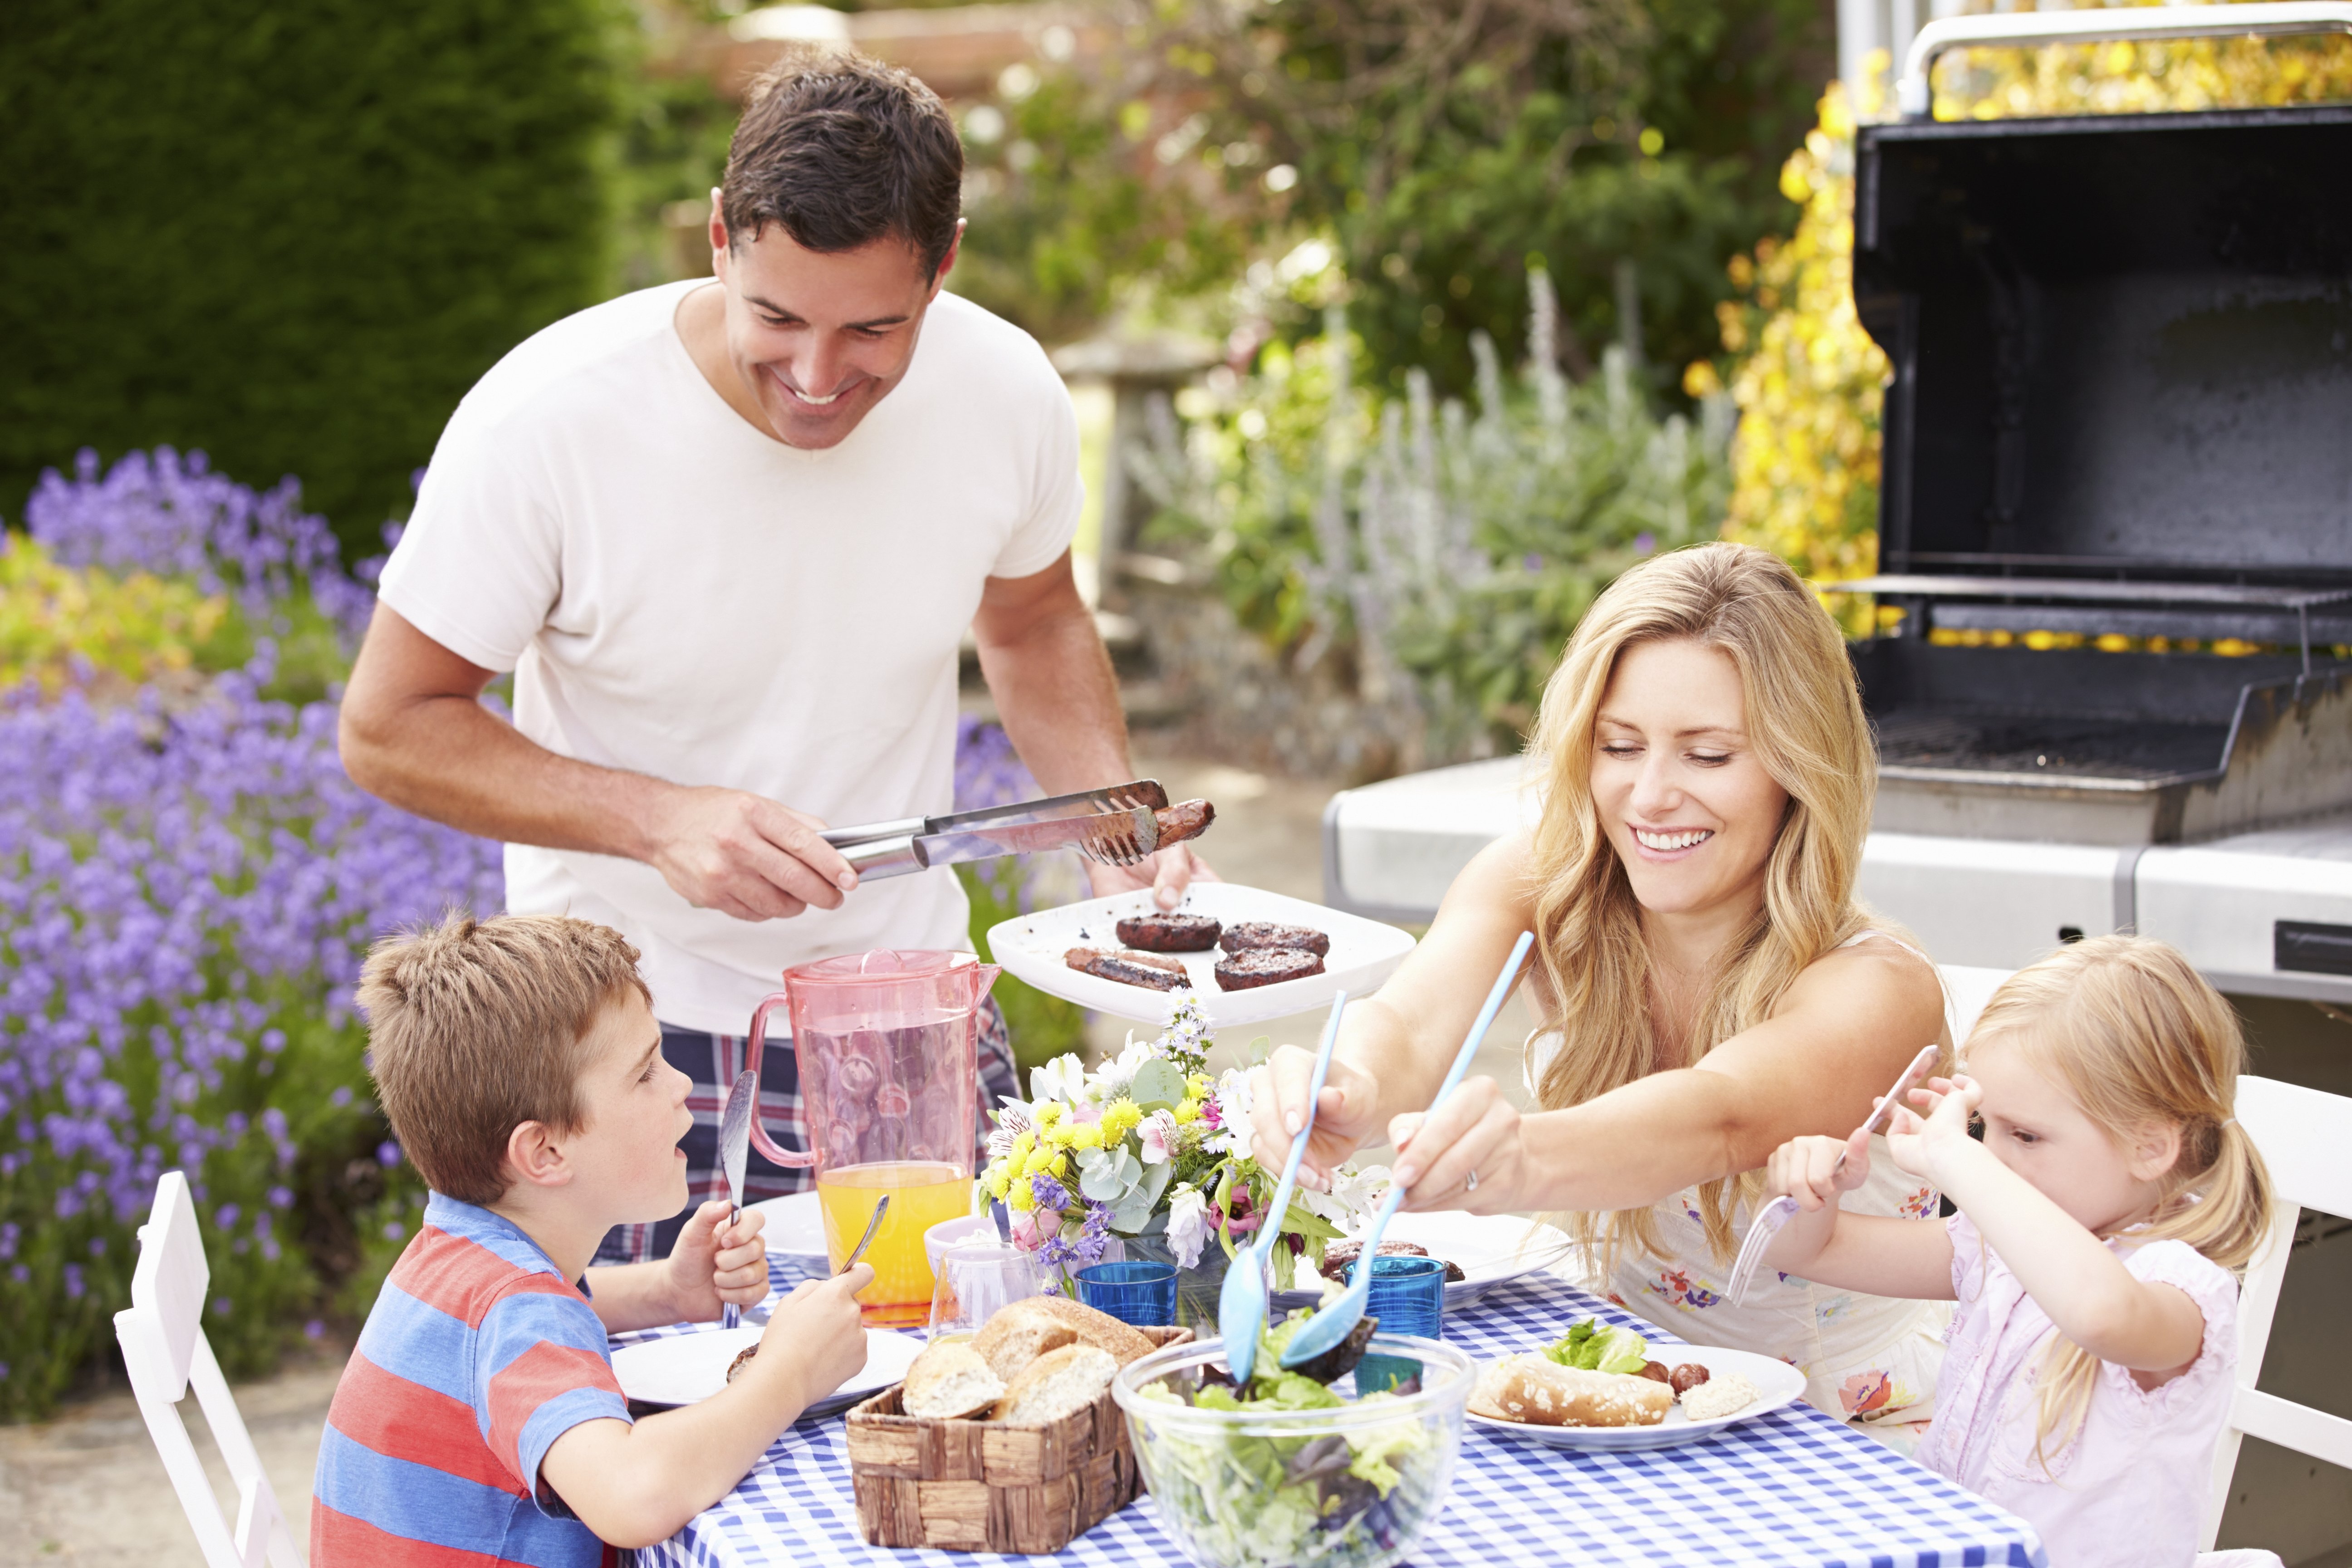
(976, 1281)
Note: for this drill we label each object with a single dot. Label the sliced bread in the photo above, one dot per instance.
(1059, 1383)
(950, 1381)
(1019, 1335)
(1100, 1329)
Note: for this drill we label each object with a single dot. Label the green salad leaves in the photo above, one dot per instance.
(1596, 1347)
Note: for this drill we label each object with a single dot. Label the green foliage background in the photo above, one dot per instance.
(290, 232)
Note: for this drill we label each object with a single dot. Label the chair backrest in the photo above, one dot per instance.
(2303, 1135)
(1967, 989)
(163, 1348)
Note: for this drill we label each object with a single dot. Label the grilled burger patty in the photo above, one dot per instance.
(1338, 1256)
(1185, 819)
(1169, 933)
(1266, 966)
(1243, 936)
(1148, 969)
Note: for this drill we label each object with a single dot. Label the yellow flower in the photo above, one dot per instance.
(1021, 1147)
(1021, 1197)
(1039, 1160)
(1050, 1112)
(1120, 1119)
(1061, 1166)
(1189, 1112)
(1062, 1134)
(1084, 1135)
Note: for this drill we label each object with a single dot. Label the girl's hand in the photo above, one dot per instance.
(1475, 1134)
(1921, 1145)
(1807, 1170)
(1343, 1118)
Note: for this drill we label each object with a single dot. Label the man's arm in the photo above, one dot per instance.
(413, 732)
(1047, 666)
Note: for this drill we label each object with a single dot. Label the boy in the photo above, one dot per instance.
(479, 1421)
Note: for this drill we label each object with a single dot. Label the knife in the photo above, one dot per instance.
(735, 1153)
(1113, 836)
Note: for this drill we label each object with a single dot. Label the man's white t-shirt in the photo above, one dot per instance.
(683, 596)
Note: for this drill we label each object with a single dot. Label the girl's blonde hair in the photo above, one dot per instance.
(1805, 720)
(2137, 1036)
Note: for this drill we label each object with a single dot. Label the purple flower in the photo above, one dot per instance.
(1049, 1193)
(314, 1330)
(226, 1217)
(1644, 541)
(393, 1230)
(73, 1281)
(388, 1154)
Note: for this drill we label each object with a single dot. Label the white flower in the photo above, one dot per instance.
(1187, 1225)
(1353, 1195)
(1013, 1119)
(1063, 1079)
(1156, 1138)
(1232, 1114)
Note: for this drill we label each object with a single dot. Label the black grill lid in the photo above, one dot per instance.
(2122, 390)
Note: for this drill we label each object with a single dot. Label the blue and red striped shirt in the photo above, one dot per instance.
(479, 1355)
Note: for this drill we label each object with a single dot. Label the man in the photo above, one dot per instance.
(727, 533)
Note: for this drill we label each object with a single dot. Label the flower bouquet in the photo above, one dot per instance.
(1152, 1149)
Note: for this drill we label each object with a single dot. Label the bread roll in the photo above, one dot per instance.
(1057, 1384)
(949, 1381)
(1538, 1391)
(1100, 1329)
(1019, 1335)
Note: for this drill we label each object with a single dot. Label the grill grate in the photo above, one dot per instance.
(2136, 749)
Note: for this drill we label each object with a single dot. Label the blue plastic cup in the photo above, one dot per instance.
(1407, 1296)
(1142, 1294)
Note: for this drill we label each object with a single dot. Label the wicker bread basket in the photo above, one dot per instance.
(981, 1486)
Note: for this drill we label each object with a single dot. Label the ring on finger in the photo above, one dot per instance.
(1472, 1185)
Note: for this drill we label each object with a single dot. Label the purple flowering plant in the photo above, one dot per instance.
(989, 771)
(188, 883)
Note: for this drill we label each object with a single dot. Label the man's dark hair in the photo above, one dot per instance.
(843, 151)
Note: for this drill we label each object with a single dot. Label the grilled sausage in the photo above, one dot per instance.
(1185, 819)
(1146, 969)
(1687, 1376)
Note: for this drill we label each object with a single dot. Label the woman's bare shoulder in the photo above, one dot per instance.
(1883, 976)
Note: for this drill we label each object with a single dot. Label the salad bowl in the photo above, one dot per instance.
(1274, 1485)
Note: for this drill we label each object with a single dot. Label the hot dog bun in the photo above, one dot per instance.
(1538, 1391)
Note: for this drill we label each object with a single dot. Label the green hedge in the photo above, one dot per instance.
(290, 232)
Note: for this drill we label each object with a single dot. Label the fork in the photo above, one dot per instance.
(1782, 1209)
(1333, 1324)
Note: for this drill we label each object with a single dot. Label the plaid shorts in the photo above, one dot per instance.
(712, 1062)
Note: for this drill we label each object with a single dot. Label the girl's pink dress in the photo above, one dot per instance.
(2130, 1490)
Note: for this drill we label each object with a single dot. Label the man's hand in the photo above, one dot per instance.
(1166, 873)
(714, 1263)
(745, 856)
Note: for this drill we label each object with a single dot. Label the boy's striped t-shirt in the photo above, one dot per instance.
(479, 1355)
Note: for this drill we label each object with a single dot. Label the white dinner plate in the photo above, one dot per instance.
(1032, 947)
(1491, 1249)
(1776, 1384)
(685, 1369)
(795, 1224)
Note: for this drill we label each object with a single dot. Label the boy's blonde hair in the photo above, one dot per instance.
(477, 1026)
(2137, 1036)
(1805, 721)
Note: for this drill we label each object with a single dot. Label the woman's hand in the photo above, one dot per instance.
(1469, 1154)
(1923, 1145)
(1807, 1170)
(1346, 1115)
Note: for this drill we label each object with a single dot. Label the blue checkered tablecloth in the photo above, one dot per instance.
(1790, 1487)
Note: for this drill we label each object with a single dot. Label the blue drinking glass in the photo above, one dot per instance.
(1407, 1296)
(1142, 1294)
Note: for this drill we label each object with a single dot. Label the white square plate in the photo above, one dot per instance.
(1776, 1384)
(1363, 954)
(1491, 1249)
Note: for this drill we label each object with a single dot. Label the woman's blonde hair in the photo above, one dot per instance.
(1805, 721)
(2135, 1037)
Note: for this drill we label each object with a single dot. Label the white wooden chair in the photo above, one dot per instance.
(2304, 1136)
(163, 1345)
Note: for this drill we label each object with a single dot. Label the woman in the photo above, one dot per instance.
(1708, 988)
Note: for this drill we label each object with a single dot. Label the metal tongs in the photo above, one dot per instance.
(1113, 826)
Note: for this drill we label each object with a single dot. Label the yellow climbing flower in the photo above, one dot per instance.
(1119, 1117)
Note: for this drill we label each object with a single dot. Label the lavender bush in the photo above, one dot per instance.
(989, 771)
(187, 885)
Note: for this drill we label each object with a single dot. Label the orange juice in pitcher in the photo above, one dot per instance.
(922, 1194)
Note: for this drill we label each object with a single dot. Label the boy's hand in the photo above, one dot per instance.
(715, 1263)
(1920, 1145)
(1806, 1169)
(816, 1334)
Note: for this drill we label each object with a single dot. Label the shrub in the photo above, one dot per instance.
(290, 232)
(188, 882)
(1447, 552)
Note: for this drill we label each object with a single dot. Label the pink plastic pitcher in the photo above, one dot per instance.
(888, 1043)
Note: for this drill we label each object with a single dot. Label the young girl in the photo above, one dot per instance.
(2089, 1363)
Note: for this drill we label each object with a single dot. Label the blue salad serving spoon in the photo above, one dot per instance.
(1331, 1326)
(1241, 1305)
